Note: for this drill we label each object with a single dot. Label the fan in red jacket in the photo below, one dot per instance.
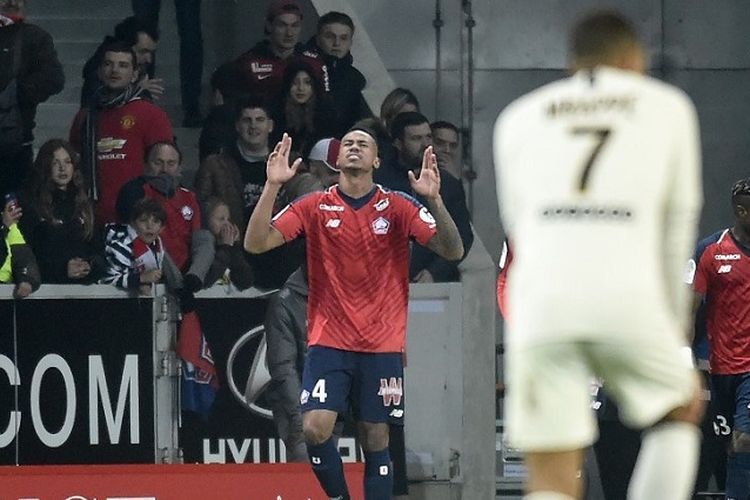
(263, 65)
(113, 135)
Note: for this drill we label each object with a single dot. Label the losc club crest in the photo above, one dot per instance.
(380, 225)
(248, 387)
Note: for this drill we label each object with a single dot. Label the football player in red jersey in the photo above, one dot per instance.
(721, 281)
(357, 236)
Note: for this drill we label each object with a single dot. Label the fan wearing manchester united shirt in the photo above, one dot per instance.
(114, 131)
(722, 284)
(357, 235)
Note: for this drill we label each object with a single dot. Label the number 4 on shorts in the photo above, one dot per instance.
(319, 391)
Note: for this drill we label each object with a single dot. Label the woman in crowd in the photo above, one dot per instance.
(303, 110)
(59, 219)
(398, 100)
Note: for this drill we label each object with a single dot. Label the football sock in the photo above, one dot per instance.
(738, 476)
(328, 468)
(667, 463)
(378, 475)
(547, 495)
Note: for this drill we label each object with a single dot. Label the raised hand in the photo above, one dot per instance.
(12, 213)
(428, 183)
(278, 170)
(155, 86)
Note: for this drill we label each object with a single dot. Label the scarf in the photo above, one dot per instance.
(100, 101)
(163, 183)
(8, 19)
(147, 257)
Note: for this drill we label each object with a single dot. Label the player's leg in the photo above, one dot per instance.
(737, 395)
(397, 450)
(548, 416)
(325, 386)
(378, 467)
(656, 390)
(668, 460)
(378, 400)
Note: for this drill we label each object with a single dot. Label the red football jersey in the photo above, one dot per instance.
(358, 265)
(122, 136)
(723, 275)
(183, 219)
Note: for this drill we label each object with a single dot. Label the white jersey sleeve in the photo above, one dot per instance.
(682, 208)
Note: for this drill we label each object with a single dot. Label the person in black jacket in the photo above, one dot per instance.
(59, 219)
(411, 136)
(29, 74)
(140, 34)
(332, 44)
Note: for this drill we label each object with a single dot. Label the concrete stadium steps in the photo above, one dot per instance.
(78, 28)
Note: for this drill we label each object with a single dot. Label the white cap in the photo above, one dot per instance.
(327, 151)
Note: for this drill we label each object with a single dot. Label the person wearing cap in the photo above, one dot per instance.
(322, 160)
(333, 43)
(263, 65)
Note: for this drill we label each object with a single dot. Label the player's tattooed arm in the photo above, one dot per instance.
(447, 242)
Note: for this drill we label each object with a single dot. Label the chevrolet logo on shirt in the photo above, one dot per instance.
(107, 144)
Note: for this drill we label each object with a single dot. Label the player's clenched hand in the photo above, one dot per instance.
(428, 183)
(278, 170)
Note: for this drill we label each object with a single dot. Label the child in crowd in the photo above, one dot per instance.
(229, 265)
(135, 253)
(17, 262)
(59, 219)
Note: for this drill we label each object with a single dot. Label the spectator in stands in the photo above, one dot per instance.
(190, 247)
(398, 100)
(263, 66)
(411, 136)
(142, 35)
(229, 265)
(720, 277)
(17, 262)
(322, 161)
(112, 135)
(445, 142)
(238, 173)
(188, 14)
(59, 218)
(29, 74)
(218, 129)
(135, 254)
(333, 43)
(303, 109)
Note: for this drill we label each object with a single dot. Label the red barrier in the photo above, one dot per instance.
(169, 482)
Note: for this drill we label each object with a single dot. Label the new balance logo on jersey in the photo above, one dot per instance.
(391, 390)
(396, 413)
(727, 256)
(333, 223)
(724, 269)
(304, 397)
